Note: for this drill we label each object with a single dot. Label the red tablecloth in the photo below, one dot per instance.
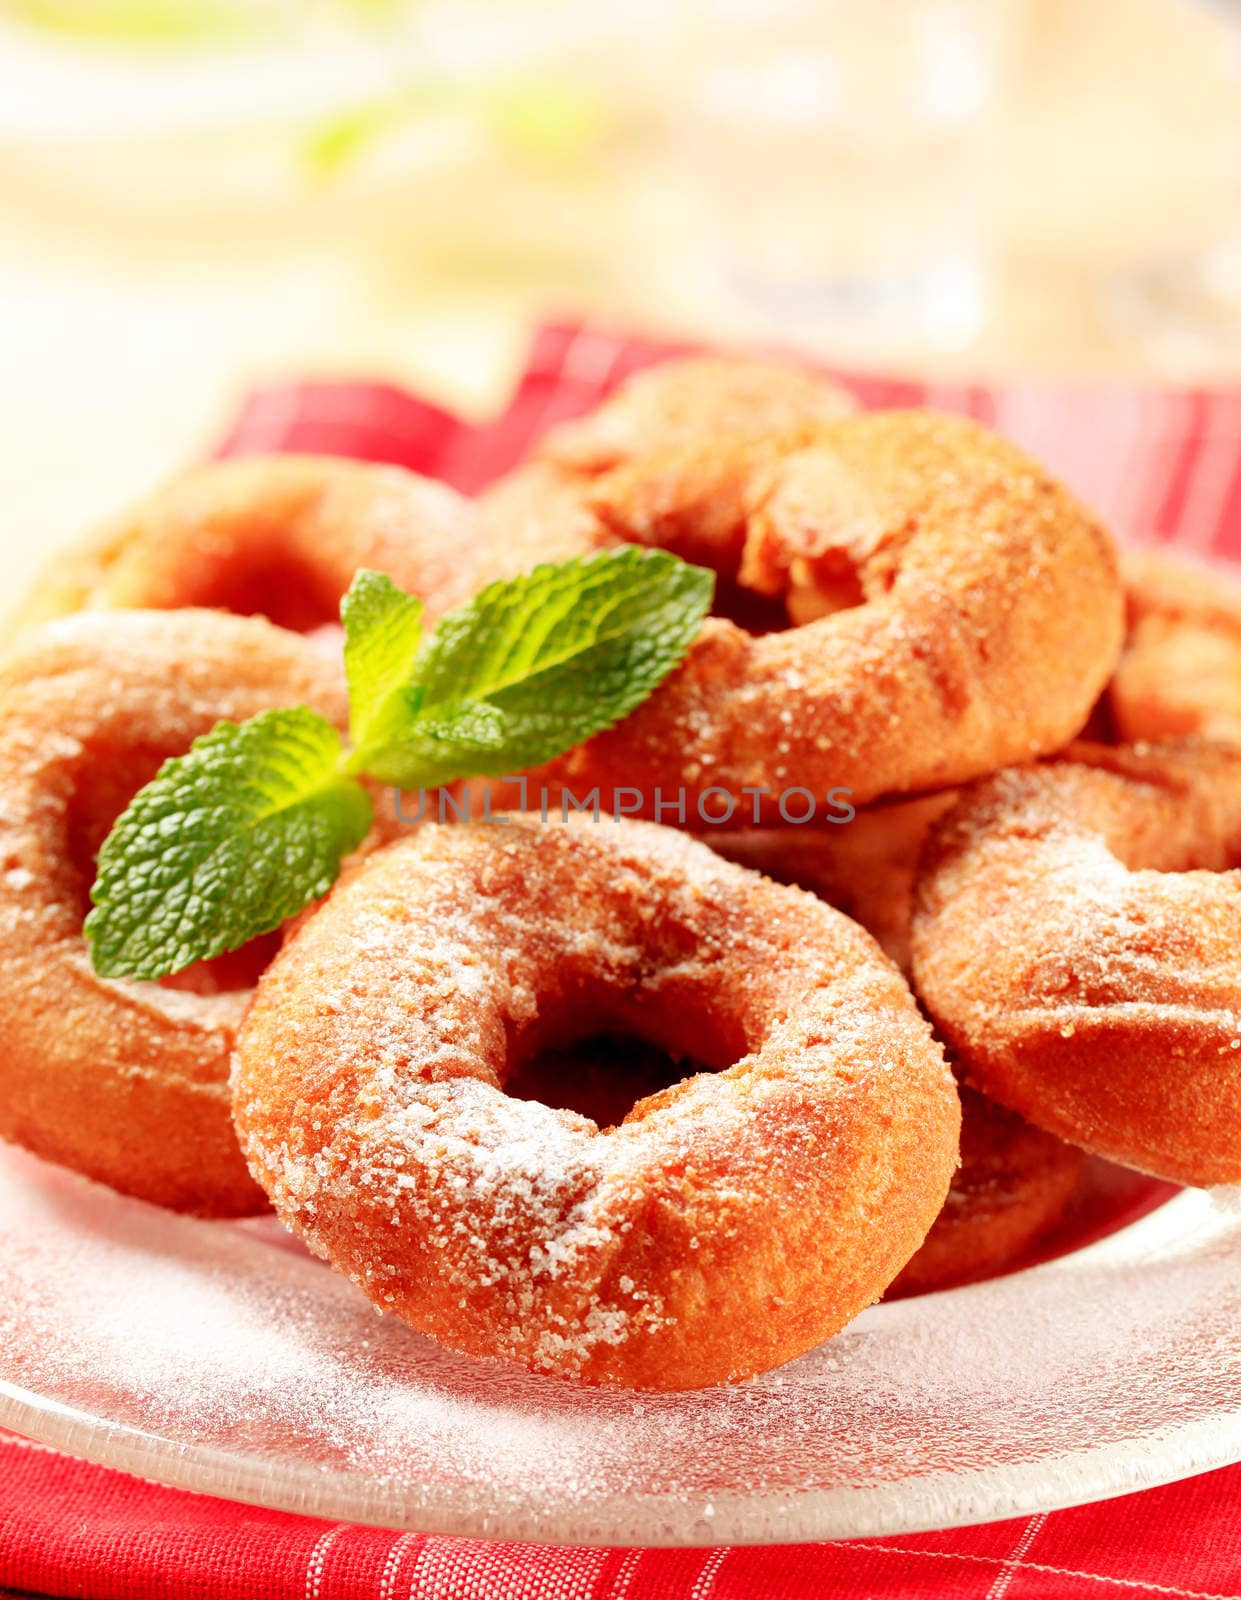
(1160, 466)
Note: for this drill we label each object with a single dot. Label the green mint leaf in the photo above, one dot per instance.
(224, 844)
(383, 631)
(536, 664)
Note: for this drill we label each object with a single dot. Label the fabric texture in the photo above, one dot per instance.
(1160, 466)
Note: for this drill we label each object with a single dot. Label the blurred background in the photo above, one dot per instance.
(199, 194)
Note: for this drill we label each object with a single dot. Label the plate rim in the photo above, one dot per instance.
(987, 1495)
(666, 1519)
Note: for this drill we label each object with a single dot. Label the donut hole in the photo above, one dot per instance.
(104, 788)
(820, 589)
(106, 783)
(599, 1053)
(748, 609)
(601, 1076)
(272, 585)
(765, 595)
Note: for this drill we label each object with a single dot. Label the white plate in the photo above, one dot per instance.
(219, 1357)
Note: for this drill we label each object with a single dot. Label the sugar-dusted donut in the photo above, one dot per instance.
(127, 1082)
(727, 1224)
(276, 536)
(1180, 671)
(1013, 1185)
(960, 611)
(1076, 936)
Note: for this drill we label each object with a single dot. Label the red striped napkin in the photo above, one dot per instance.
(1160, 466)
(68, 1528)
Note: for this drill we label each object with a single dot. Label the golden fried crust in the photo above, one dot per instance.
(697, 397)
(1075, 940)
(685, 1246)
(124, 1081)
(277, 536)
(1180, 673)
(981, 618)
(1012, 1186)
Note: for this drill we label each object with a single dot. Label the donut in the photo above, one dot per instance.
(865, 867)
(1075, 939)
(277, 536)
(681, 1247)
(1013, 1185)
(1180, 671)
(124, 1081)
(959, 612)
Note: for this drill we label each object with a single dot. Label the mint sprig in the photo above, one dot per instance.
(251, 825)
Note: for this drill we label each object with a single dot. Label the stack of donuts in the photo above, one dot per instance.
(665, 1099)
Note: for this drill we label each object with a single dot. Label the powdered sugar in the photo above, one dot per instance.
(254, 1371)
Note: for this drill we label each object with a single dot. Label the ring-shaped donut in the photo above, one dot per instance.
(127, 1082)
(964, 612)
(1075, 940)
(275, 536)
(727, 1224)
